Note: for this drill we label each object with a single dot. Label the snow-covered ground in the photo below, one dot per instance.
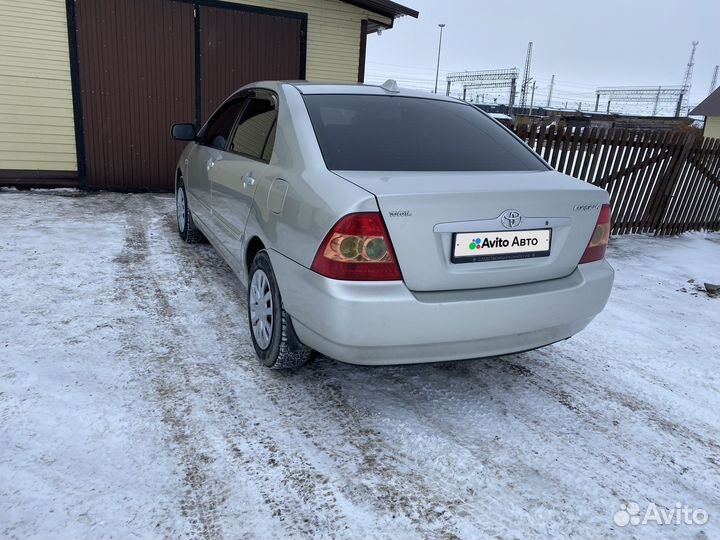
(131, 404)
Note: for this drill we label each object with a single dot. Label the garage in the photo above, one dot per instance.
(91, 87)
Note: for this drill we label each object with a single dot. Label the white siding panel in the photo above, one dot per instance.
(712, 127)
(35, 93)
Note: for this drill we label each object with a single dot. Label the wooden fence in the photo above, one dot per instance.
(659, 182)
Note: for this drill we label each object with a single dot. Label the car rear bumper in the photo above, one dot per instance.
(379, 323)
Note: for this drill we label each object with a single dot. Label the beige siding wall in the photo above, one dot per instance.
(712, 127)
(333, 41)
(36, 114)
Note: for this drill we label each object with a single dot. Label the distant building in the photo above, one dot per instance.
(710, 109)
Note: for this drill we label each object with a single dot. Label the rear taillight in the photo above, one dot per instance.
(358, 248)
(600, 237)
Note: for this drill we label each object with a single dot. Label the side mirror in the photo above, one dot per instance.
(184, 132)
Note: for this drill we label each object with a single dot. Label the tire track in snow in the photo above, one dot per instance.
(382, 477)
(385, 483)
(169, 381)
(632, 404)
(678, 447)
(598, 408)
(297, 494)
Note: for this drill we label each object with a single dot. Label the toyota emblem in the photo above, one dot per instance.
(510, 219)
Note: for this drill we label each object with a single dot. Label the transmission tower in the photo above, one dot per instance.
(493, 78)
(641, 94)
(687, 81)
(713, 83)
(526, 76)
(552, 84)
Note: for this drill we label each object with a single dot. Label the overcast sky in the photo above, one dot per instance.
(585, 44)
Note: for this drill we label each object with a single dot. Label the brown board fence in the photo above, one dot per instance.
(659, 182)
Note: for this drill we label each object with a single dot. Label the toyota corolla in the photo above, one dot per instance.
(382, 226)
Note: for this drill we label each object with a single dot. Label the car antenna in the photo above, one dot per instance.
(390, 85)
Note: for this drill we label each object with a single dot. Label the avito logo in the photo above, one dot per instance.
(476, 244)
(497, 242)
(479, 243)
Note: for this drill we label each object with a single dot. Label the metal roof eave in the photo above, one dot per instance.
(387, 8)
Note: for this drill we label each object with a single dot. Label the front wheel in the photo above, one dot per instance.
(186, 226)
(273, 335)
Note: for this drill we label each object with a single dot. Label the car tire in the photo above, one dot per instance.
(186, 226)
(273, 336)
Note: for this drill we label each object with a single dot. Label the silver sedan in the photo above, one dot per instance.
(382, 226)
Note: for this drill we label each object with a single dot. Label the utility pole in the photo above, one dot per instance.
(532, 97)
(680, 101)
(657, 100)
(526, 76)
(549, 99)
(513, 91)
(713, 83)
(437, 71)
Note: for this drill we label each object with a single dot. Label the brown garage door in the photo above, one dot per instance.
(240, 47)
(145, 64)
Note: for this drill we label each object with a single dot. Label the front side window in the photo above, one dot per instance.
(397, 133)
(255, 134)
(218, 127)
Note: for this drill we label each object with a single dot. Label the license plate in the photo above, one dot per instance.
(501, 245)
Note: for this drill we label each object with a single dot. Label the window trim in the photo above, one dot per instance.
(273, 130)
(247, 95)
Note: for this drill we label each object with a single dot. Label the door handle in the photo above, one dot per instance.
(210, 164)
(248, 180)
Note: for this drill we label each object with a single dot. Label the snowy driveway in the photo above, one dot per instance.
(131, 404)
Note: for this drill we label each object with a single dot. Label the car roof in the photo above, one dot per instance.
(312, 88)
(315, 88)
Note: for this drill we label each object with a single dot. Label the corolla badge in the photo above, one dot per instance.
(510, 219)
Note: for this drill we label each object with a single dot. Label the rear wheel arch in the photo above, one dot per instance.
(254, 246)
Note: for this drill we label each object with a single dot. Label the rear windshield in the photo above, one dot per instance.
(393, 133)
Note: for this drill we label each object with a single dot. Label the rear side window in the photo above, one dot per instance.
(394, 133)
(255, 129)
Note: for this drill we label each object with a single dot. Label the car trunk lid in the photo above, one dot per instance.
(424, 211)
